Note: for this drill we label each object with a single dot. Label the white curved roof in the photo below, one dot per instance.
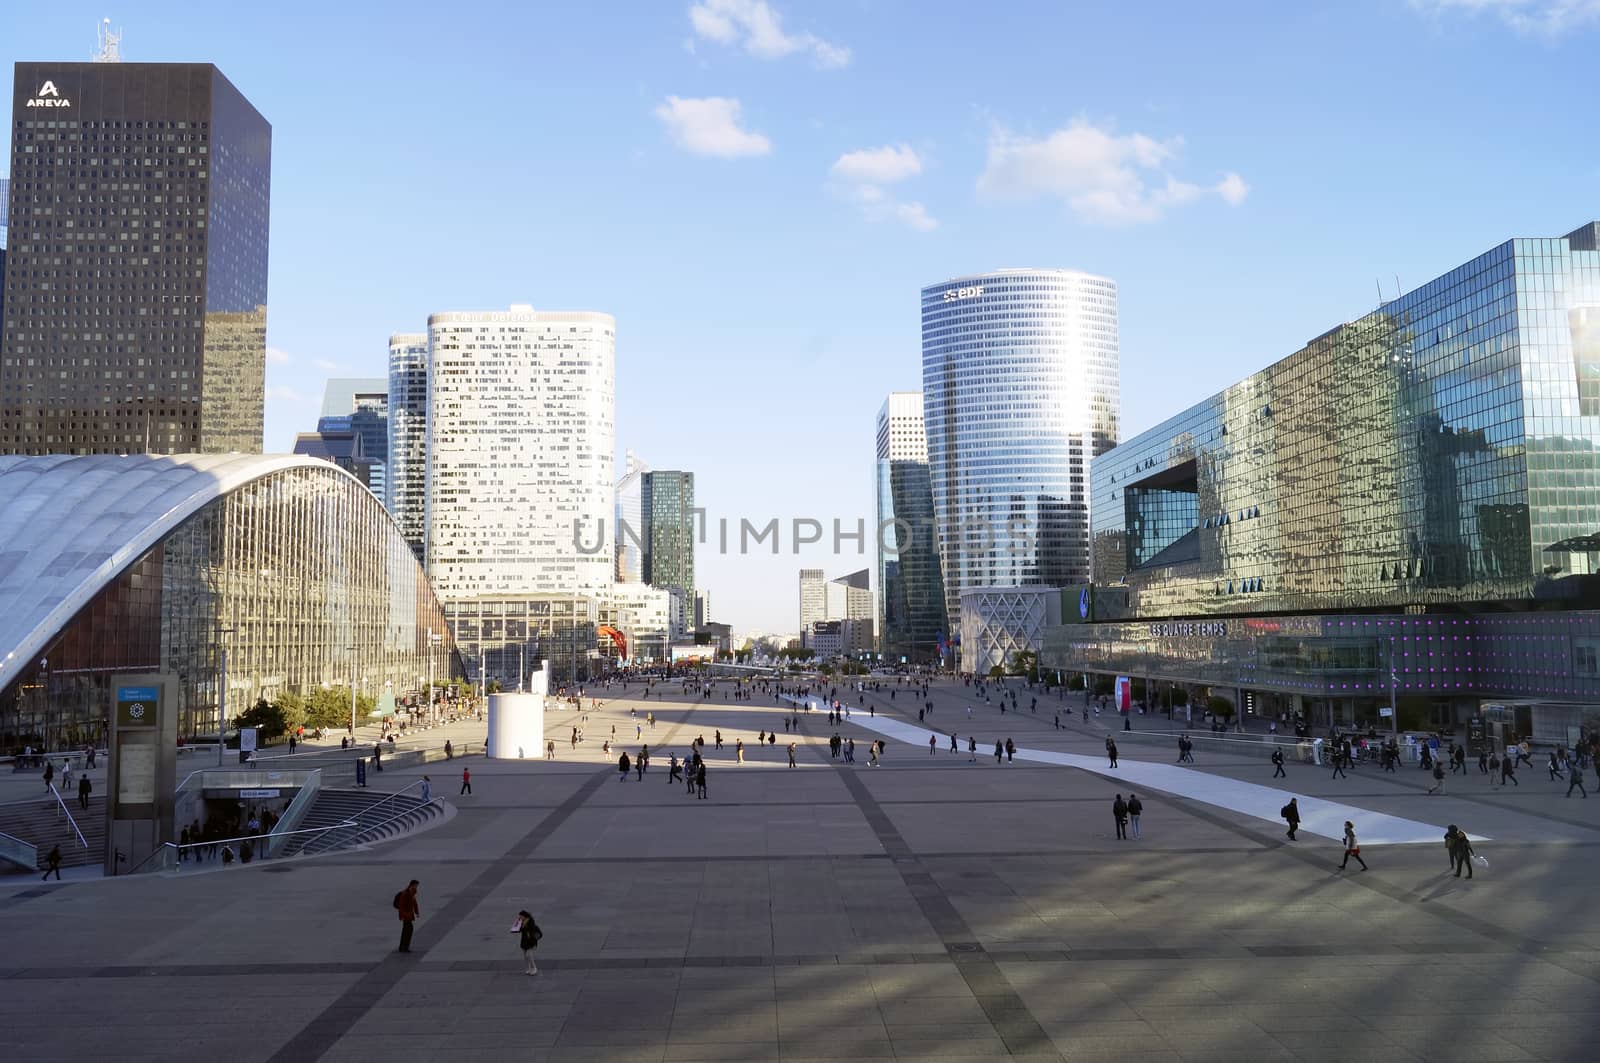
(69, 525)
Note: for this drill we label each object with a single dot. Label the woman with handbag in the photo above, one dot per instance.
(1351, 847)
(528, 939)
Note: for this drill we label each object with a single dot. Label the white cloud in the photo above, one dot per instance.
(879, 166)
(710, 126)
(1549, 17)
(277, 356)
(860, 176)
(1233, 189)
(325, 365)
(289, 395)
(1101, 176)
(759, 28)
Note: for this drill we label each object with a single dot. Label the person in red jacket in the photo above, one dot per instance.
(466, 781)
(405, 903)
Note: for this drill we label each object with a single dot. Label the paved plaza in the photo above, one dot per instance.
(928, 908)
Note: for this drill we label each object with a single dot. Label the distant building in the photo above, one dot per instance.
(407, 481)
(342, 395)
(718, 636)
(813, 598)
(643, 614)
(850, 597)
(997, 623)
(342, 447)
(911, 603)
(667, 507)
(628, 521)
(702, 608)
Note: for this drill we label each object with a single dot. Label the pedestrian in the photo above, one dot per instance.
(638, 765)
(1011, 751)
(623, 766)
(1508, 768)
(999, 750)
(49, 774)
(1438, 779)
(1577, 780)
(700, 780)
(66, 774)
(1277, 765)
(84, 787)
(1135, 808)
(933, 744)
(1483, 760)
(972, 749)
(405, 903)
(377, 756)
(52, 863)
(427, 790)
(550, 749)
(1460, 847)
(1338, 766)
(954, 747)
(738, 750)
(1111, 750)
(1351, 847)
(449, 750)
(1291, 814)
(466, 781)
(1119, 812)
(528, 935)
(1555, 769)
(791, 755)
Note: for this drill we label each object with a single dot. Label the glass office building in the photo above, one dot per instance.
(911, 606)
(1410, 500)
(136, 277)
(407, 481)
(666, 502)
(1020, 390)
(139, 564)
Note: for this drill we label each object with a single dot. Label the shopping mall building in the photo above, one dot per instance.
(1406, 507)
(138, 564)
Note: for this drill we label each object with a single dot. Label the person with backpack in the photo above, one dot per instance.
(1291, 814)
(1119, 812)
(1277, 765)
(528, 935)
(1438, 779)
(1455, 839)
(405, 905)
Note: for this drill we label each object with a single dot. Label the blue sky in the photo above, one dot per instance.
(757, 190)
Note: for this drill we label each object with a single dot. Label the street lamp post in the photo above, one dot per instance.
(352, 651)
(222, 690)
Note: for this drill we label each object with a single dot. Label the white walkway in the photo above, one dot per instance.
(1317, 815)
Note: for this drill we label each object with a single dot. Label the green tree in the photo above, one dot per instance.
(1220, 707)
(997, 672)
(1024, 662)
(266, 718)
(293, 708)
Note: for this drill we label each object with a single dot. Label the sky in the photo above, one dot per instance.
(758, 189)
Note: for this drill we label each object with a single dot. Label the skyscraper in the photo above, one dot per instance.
(667, 506)
(628, 520)
(361, 406)
(347, 394)
(1020, 390)
(813, 598)
(408, 437)
(520, 436)
(911, 605)
(136, 277)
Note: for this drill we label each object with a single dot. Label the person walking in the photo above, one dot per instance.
(1438, 779)
(972, 749)
(49, 774)
(427, 790)
(933, 745)
(1555, 767)
(52, 863)
(624, 765)
(1277, 765)
(1508, 768)
(1577, 780)
(1291, 814)
(700, 780)
(638, 765)
(1135, 809)
(1338, 766)
(84, 787)
(1351, 847)
(405, 903)
(999, 751)
(1460, 847)
(1111, 750)
(954, 747)
(1119, 812)
(1011, 751)
(738, 750)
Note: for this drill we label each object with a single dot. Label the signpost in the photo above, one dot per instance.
(142, 769)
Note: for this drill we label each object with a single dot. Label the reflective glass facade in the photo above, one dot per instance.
(408, 438)
(666, 504)
(1411, 500)
(911, 617)
(1443, 450)
(136, 281)
(299, 573)
(500, 637)
(1020, 390)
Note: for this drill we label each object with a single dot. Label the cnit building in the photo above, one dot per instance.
(1408, 507)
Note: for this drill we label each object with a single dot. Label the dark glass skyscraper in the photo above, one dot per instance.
(136, 279)
(667, 503)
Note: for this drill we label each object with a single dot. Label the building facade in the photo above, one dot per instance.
(1020, 391)
(628, 513)
(998, 623)
(813, 598)
(287, 564)
(1408, 507)
(520, 436)
(911, 604)
(407, 481)
(136, 276)
(667, 509)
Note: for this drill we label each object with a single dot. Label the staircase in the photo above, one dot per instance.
(38, 820)
(399, 814)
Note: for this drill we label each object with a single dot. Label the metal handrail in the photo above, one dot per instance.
(295, 811)
(63, 806)
(20, 852)
(359, 824)
(170, 851)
